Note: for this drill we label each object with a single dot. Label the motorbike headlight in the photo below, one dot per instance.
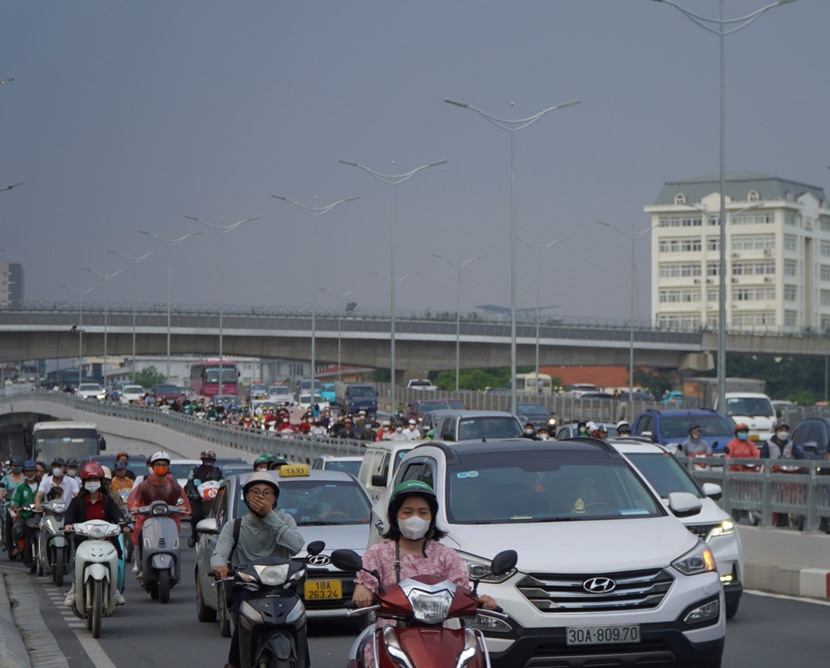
(696, 561)
(479, 569)
(160, 509)
(726, 528)
(430, 607)
(97, 531)
(59, 507)
(272, 575)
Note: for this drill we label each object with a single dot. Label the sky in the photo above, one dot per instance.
(132, 115)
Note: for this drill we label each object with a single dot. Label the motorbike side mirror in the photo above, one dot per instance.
(346, 560)
(315, 547)
(504, 562)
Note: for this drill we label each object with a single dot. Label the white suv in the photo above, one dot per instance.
(713, 524)
(606, 574)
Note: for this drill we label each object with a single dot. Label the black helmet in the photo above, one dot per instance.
(781, 425)
(276, 462)
(16, 461)
(72, 462)
(692, 427)
(404, 491)
(58, 461)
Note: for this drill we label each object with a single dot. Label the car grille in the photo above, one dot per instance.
(633, 590)
(702, 531)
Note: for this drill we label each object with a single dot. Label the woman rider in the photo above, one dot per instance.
(411, 548)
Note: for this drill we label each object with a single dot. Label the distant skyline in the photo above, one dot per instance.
(128, 116)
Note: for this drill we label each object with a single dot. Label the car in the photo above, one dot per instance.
(596, 396)
(90, 391)
(713, 524)
(166, 393)
(781, 407)
(131, 393)
(674, 398)
(638, 396)
(606, 574)
(812, 435)
(258, 391)
(327, 505)
(418, 408)
(578, 389)
(671, 427)
(306, 402)
(137, 463)
(281, 394)
(536, 414)
(421, 385)
(570, 430)
(755, 410)
(181, 468)
(380, 464)
(332, 463)
(477, 425)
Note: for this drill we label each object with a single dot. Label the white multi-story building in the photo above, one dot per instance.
(777, 260)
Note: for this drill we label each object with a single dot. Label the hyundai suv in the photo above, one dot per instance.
(606, 574)
(671, 428)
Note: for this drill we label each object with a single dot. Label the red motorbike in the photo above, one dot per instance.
(420, 606)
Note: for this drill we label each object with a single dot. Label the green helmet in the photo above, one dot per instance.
(412, 488)
(400, 493)
(264, 458)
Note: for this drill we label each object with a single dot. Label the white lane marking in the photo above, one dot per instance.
(785, 597)
(94, 650)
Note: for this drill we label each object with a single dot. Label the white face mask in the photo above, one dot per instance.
(399, 429)
(57, 472)
(71, 472)
(413, 528)
(92, 486)
(783, 435)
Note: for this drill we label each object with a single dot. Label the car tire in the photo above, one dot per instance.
(732, 608)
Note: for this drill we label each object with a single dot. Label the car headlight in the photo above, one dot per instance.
(696, 561)
(552, 421)
(479, 569)
(726, 528)
(430, 607)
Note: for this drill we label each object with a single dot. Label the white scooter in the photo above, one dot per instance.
(96, 573)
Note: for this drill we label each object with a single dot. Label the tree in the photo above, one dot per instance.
(654, 382)
(148, 377)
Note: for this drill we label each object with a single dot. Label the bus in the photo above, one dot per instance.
(526, 382)
(204, 378)
(66, 438)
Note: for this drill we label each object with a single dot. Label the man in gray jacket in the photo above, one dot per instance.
(264, 532)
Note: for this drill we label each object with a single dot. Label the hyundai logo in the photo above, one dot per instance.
(319, 560)
(599, 585)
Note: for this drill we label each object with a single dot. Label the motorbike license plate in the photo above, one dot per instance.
(322, 590)
(602, 635)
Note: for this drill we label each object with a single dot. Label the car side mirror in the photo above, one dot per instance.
(315, 547)
(811, 446)
(378, 481)
(684, 504)
(713, 491)
(504, 562)
(208, 525)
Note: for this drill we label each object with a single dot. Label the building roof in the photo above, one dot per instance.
(738, 184)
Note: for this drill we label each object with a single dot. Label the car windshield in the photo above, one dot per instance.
(306, 398)
(532, 409)
(678, 426)
(181, 471)
(362, 392)
(455, 404)
(133, 389)
(345, 466)
(664, 473)
(312, 502)
(545, 486)
(476, 428)
(90, 386)
(419, 383)
(424, 406)
(328, 387)
(280, 389)
(235, 469)
(748, 406)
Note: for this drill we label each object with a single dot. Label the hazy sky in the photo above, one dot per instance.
(131, 115)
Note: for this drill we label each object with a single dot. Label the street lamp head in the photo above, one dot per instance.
(351, 199)
(435, 164)
(284, 199)
(143, 232)
(347, 162)
(456, 103)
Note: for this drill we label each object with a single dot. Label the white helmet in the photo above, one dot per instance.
(621, 423)
(591, 426)
(161, 454)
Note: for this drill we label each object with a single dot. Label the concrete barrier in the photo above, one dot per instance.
(13, 653)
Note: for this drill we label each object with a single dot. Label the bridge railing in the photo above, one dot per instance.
(254, 441)
(765, 489)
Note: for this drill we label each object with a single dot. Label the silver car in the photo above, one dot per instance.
(327, 505)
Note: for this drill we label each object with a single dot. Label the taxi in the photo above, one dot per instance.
(327, 505)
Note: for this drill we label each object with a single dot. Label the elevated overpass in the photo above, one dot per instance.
(424, 341)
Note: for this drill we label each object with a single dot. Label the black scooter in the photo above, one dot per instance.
(272, 621)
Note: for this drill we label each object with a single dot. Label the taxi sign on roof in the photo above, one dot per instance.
(293, 470)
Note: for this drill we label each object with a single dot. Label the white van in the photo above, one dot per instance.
(380, 463)
(753, 409)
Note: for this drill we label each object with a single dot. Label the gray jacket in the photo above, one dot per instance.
(275, 535)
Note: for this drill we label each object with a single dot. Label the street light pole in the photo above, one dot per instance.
(539, 248)
(459, 265)
(135, 261)
(315, 212)
(392, 180)
(733, 25)
(340, 297)
(631, 235)
(169, 243)
(106, 277)
(222, 231)
(512, 126)
(81, 294)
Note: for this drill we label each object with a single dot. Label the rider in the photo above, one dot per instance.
(695, 445)
(203, 473)
(121, 481)
(24, 495)
(623, 428)
(741, 447)
(10, 482)
(92, 503)
(58, 478)
(780, 446)
(582, 429)
(261, 463)
(72, 467)
(530, 432)
(124, 457)
(411, 548)
(263, 532)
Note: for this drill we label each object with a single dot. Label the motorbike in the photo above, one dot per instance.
(96, 573)
(272, 620)
(54, 554)
(160, 554)
(420, 606)
(126, 543)
(27, 533)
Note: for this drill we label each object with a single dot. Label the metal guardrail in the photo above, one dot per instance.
(763, 489)
(297, 448)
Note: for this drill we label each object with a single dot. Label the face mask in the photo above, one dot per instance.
(582, 430)
(30, 475)
(57, 472)
(543, 437)
(742, 435)
(528, 431)
(161, 469)
(783, 435)
(16, 469)
(399, 429)
(207, 465)
(413, 528)
(92, 486)
(71, 472)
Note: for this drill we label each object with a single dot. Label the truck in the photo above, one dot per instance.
(356, 397)
(66, 438)
(705, 390)
(746, 402)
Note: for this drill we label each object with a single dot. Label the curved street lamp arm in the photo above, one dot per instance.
(512, 125)
(392, 179)
(542, 247)
(315, 211)
(222, 229)
(702, 21)
(169, 242)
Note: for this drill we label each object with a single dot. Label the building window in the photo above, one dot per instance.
(680, 270)
(712, 243)
(747, 242)
(678, 320)
(753, 196)
(711, 295)
(758, 319)
(713, 268)
(767, 218)
(789, 219)
(790, 318)
(825, 323)
(789, 242)
(824, 224)
(789, 293)
(824, 273)
(680, 198)
(679, 245)
(680, 221)
(679, 296)
(825, 297)
(753, 294)
(753, 268)
(790, 268)
(825, 249)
